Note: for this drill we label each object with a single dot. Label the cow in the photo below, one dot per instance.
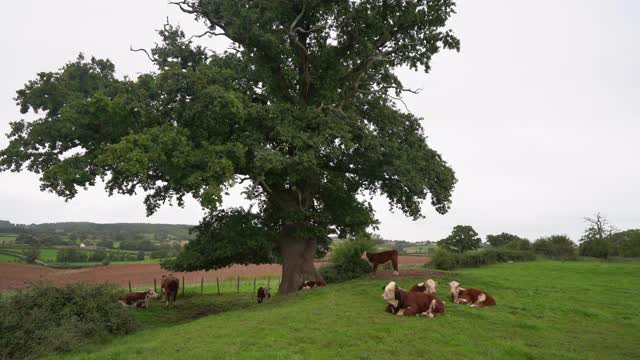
(380, 258)
(170, 285)
(428, 287)
(310, 284)
(471, 297)
(263, 293)
(138, 299)
(406, 303)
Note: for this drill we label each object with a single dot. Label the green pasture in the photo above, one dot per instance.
(546, 310)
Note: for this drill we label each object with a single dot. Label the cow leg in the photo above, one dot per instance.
(481, 299)
(410, 311)
(375, 268)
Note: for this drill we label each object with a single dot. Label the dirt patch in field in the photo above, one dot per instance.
(16, 276)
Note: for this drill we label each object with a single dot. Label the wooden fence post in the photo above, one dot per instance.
(238, 283)
(154, 285)
(201, 285)
(254, 285)
(218, 284)
(129, 286)
(183, 284)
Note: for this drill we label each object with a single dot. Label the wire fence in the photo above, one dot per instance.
(226, 285)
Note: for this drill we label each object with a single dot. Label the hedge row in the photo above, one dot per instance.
(446, 260)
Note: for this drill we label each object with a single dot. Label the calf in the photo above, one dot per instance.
(427, 287)
(263, 293)
(383, 257)
(169, 286)
(471, 297)
(138, 299)
(404, 303)
(310, 284)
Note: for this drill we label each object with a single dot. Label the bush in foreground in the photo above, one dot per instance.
(346, 261)
(47, 319)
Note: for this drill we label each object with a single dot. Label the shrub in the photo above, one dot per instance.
(140, 256)
(47, 319)
(519, 244)
(71, 255)
(556, 247)
(346, 261)
(32, 254)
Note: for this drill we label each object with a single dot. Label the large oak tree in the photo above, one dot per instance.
(301, 110)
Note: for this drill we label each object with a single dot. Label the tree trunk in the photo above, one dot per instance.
(297, 264)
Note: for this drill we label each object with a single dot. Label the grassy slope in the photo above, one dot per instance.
(549, 310)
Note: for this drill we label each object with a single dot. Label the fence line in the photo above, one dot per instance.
(225, 285)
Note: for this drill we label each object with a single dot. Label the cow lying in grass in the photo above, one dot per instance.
(428, 287)
(263, 293)
(407, 303)
(310, 284)
(169, 286)
(383, 257)
(471, 297)
(138, 299)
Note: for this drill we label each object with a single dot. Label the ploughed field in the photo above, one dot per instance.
(16, 276)
(545, 310)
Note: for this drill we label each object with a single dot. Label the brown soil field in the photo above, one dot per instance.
(16, 276)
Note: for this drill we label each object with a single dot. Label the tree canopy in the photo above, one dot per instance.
(462, 238)
(301, 109)
(502, 239)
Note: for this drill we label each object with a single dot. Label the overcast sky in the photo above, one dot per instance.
(538, 114)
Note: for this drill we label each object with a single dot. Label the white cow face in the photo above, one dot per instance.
(454, 288)
(389, 293)
(431, 286)
(152, 294)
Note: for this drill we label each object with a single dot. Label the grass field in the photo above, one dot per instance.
(7, 258)
(49, 255)
(7, 239)
(546, 310)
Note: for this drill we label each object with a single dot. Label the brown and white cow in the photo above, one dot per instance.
(138, 299)
(383, 257)
(170, 285)
(263, 293)
(310, 284)
(428, 287)
(471, 297)
(406, 303)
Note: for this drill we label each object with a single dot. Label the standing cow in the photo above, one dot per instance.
(263, 293)
(169, 286)
(380, 258)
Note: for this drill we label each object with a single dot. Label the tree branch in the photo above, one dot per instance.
(144, 51)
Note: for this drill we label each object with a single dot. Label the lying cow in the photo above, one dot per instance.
(471, 297)
(310, 284)
(263, 293)
(383, 257)
(427, 287)
(170, 285)
(138, 299)
(404, 303)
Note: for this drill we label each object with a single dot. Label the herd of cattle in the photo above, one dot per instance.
(420, 300)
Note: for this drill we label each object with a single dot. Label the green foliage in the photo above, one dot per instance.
(31, 254)
(626, 243)
(71, 255)
(140, 256)
(502, 239)
(519, 244)
(556, 247)
(47, 319)
(462, 238)
(304, 112)
(447, 260)
(346, 258)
